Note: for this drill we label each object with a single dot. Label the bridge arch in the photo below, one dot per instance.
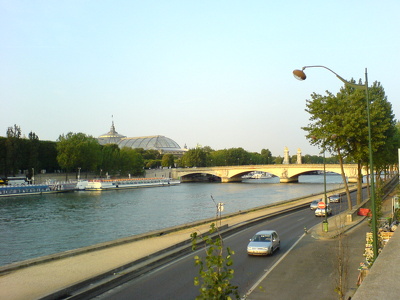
(286, 173)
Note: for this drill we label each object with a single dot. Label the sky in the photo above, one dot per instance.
(208, 73)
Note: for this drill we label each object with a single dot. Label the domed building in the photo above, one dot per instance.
(111, 137)
(162, 144)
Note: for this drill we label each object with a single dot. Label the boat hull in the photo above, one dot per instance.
(121, 184)
(30, 190)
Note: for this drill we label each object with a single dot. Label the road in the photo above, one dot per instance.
(175, 281)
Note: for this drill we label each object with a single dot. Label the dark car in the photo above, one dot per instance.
(335, 198)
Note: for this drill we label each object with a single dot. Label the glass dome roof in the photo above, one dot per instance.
(157, 142)
(111, 137)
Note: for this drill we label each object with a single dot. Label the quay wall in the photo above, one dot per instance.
(41, 178)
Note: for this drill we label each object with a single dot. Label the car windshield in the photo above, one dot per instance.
(262, 238)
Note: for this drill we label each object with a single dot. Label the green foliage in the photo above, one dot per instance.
(215, 269)
(130, 162)
(339, 122)
(396, 215)
(194, 158)
(339, 125)
(47, 158)
(206, 157)
(77, 150)
(110, 158)
(18, 153)
(267, 156)
(152, 163)
(278, 160)
(168, 160)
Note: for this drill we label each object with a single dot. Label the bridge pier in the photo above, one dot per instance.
(233, 179)
(289, 180)
(352, 179)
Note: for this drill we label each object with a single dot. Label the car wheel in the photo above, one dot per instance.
(279, 246)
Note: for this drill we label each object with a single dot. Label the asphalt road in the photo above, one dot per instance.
(311, 269)
(175, 281)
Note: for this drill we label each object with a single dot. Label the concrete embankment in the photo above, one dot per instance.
(41, 178)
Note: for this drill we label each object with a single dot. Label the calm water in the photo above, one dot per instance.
(34, 226)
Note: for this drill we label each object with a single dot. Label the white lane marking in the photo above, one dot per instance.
(270, 270)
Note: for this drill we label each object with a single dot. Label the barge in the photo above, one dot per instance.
(127, 183)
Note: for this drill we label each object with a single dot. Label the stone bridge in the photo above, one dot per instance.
(286, 172)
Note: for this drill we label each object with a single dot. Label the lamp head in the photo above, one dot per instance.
(299, 75)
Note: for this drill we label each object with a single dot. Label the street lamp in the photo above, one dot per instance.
(300, 75)
(325, 222)
(325, 226)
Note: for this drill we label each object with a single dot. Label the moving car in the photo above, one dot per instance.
(314, 204)
(320, 212)
(264, 243)
(335, 198)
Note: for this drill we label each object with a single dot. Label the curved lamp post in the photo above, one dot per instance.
(325, 222)
(300, 75)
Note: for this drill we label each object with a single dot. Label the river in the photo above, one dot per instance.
(33, 226)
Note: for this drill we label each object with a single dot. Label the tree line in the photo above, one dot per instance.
(338, 126)
(75, 152)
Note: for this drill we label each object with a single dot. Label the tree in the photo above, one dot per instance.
(77, 150)
(168, 160)
(33, 152)
(110, 154)
(218, 158)
(13, 150)
(130, 162)
(278, 160)
(215, 270)
(267, 155)
(339, 124)
(196, 157)
(47, 158)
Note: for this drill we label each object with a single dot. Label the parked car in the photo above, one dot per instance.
(335, 198)
(264, 243)
(314, 204)
(320, 212)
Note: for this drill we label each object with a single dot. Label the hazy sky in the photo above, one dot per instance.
(213, 73)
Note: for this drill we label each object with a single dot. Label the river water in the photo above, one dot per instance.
(33, 226)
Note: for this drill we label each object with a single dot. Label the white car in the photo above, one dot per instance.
(264, 243)
(320, 212)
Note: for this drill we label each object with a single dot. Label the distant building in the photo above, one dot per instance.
(111, 137)
(162, 144)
